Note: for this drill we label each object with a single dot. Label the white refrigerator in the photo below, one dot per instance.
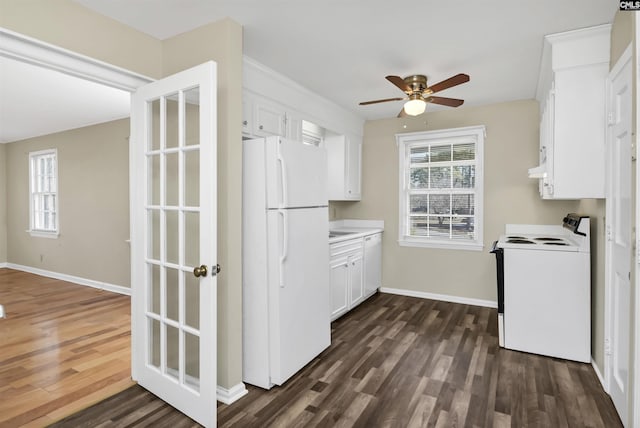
(285, 256)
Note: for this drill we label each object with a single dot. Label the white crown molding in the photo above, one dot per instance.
(442, 297)
(70, 278)
(26, 49)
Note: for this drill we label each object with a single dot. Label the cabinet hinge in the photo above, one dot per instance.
(607, 347)
(610, 118)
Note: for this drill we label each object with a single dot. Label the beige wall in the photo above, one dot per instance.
(93, 174)
(222, 42)
(511, 147)
(3, 203)
(71, 26)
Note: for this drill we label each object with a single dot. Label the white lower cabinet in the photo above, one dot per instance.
(339, 286)
(356, 279)
(347, 280)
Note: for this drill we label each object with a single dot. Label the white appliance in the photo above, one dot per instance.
(544, 288)
(285, 258)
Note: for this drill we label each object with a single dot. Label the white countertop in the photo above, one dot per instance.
(356, 229)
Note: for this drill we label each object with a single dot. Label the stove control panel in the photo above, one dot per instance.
(576, 224)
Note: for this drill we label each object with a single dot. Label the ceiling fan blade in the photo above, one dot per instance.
(399, 82)
(446, 84)
(403, 113)
(451, 102)
(380, 101)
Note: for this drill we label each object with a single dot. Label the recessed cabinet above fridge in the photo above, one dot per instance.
(571, 92)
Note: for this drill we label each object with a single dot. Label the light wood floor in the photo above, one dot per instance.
(399, 362)
(63, 347)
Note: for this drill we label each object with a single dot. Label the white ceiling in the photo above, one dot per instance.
(343, 49)
(38, 101)
(340, 49)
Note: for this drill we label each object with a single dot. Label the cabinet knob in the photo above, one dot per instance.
(260, 127)
(353, 263)
(349, 191)
(244, 122)
(346, 265)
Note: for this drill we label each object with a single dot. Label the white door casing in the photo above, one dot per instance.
(173, 225)
(619, 235)
(636, 383)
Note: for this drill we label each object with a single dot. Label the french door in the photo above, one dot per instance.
(173, 245)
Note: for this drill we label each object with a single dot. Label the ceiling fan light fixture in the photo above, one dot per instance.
(415, 106)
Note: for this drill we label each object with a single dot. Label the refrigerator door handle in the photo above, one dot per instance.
(283, 176)
(285, 242)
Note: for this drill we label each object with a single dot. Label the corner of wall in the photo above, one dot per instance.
(3, 204)
(221, 42)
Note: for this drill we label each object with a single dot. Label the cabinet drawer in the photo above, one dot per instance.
(346, 247)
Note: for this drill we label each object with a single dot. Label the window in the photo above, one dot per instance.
(43, 185)
(441, 188)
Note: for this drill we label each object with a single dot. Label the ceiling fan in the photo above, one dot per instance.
(419, 94)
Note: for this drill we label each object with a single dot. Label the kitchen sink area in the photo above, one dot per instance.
(336, 233)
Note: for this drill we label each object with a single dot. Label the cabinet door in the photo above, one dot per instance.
(354, 166)
(247, 114)
(268, 118)
(339, 290)
(294, 127)
(356, 283)
(372, 264)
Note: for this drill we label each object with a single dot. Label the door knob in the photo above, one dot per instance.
(200, 271)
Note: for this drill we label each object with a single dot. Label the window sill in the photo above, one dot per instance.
(413, 242)
(43, 234)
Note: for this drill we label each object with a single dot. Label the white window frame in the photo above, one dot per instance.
(404, 141)
(34, 157)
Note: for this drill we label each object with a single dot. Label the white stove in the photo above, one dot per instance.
(572, 235)
(544, 288)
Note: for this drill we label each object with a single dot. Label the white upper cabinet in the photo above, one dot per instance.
(276, 105)
(571, 93)
(262, 117)
(269, 119)
(345, 166)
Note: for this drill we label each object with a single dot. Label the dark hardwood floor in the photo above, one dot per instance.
(400, 362)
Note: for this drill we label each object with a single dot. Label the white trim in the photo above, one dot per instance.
(625, 58)
(231, 395)
(70, 278)
(442, 297)
(43, 234)
(468, 134)
(446, 245)
(34, 159)
(4, 265)
(635, 387)
(26, 49)
(596, 369)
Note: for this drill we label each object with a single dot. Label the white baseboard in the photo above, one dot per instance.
(3, 265)
(70, 278)
(231, 395)
(598, 374)
(443, 297)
